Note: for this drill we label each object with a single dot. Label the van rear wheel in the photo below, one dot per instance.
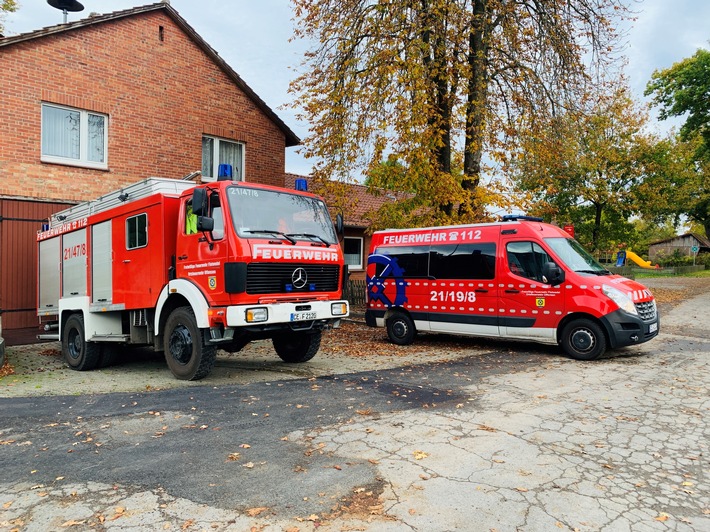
(583, 339)
(400, 329)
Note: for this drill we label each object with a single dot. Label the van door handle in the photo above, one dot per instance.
(182, 257)
(481, 291)
(512, 291)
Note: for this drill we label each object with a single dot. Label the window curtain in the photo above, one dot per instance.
(61, 132)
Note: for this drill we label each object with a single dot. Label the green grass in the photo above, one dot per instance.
(646, 275)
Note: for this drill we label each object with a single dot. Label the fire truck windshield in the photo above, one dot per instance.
(575, 256)
(258, 213)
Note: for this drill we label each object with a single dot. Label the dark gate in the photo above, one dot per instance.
(19, 222)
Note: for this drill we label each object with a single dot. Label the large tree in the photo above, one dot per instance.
(684, 89)
(588, 166)
(438, 84)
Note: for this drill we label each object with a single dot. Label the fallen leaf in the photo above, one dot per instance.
(72, 522)
(420, 455)
(522, 490)
(233, 457)
(253, 512)
(662, 517)
(486, 428)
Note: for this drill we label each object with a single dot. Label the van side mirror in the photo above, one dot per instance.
(199, 201)
(552, 274)
(339, 224)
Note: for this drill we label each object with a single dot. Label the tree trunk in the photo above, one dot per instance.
(598, 208)
(476, 102)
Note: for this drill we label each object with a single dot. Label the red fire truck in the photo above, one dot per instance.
(189, 269)
(520, 279)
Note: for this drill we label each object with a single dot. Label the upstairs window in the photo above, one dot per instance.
(74, 137)
(222, 157)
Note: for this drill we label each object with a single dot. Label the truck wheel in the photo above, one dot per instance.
(187, 355)
(400, 329)
(78, 353)
(297, 347)
(583, 339)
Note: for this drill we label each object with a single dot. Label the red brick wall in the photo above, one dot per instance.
(160, 96)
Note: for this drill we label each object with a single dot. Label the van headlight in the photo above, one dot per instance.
(623, 301)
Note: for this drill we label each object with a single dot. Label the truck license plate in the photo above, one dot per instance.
(303, 316)
(653, 328)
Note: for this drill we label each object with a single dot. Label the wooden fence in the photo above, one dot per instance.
(355, 290)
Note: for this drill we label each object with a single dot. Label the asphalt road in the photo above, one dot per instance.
(510, 437)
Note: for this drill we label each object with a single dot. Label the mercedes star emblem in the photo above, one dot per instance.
(299, 278)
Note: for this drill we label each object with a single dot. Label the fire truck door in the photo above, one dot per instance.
(136, 260)
(200, 256)
(530, 308)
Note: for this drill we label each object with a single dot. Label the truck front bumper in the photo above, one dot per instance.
(301, 315)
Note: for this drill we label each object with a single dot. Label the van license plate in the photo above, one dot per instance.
(653, 328)
(303, 316)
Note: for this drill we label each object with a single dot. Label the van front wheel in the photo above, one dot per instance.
(583, 339)
(400, 329)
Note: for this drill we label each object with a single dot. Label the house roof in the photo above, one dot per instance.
(291, 138)
(361, 202)
(704, 242)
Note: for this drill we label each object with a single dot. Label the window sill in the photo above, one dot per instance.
(70, 162)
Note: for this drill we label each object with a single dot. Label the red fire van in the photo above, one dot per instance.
(519, 279)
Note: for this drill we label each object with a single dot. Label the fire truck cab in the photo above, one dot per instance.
(520, 279)
(188, 269)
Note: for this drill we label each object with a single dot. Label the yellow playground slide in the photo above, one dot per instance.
(638, 260)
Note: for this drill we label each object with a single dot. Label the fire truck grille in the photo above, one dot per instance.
(277, 278)
(647, 311)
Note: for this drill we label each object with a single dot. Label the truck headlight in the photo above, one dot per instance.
(339, 309)
(622, 300)
(255, 315)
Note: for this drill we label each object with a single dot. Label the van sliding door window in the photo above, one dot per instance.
(463, 261)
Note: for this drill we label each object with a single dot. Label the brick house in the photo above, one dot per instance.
(93, 105)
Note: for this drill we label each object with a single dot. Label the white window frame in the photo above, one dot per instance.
(215, 159)
(83, 160)
(355, 267)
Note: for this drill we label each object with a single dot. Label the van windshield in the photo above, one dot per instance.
(575, 257)
(258, 213)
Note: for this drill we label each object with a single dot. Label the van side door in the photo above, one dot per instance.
(463, 292)
(530, 308)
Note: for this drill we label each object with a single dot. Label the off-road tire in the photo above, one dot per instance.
(188, 356)
(297, 347)
(79, 354)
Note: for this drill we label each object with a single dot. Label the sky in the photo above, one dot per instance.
(254, 38)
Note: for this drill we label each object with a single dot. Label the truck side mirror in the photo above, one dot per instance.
(199, 201)
(205, 224)
(339, 224)
(552, 274)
